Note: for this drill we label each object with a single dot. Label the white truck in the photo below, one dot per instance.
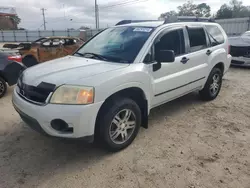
(105, 90)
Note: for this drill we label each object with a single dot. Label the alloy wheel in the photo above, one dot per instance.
(122, 126)
(215, 85)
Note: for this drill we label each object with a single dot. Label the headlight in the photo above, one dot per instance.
(68, 94)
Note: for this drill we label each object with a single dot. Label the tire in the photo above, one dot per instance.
(3, 87)
(112, 130)
(212, 87)
(29, 61)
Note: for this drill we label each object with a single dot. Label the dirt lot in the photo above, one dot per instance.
(189, 144)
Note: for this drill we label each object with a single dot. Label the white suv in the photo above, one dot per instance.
(108, 87)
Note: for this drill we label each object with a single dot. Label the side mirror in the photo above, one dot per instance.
(162, 56)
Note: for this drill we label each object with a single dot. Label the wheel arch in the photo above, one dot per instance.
(134, 93)
(221, 66)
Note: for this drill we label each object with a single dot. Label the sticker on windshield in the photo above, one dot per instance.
(143, 29)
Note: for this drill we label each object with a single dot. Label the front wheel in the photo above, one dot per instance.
(212, 86)
(119, 124)
(3, 87)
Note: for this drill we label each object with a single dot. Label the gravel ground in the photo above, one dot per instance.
(189, 144)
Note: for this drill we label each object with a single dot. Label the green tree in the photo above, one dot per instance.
(190, 9)
(235, 9)
(203, 10)
(224, 12)
(187, 9)
(15, 19)
(168, 14)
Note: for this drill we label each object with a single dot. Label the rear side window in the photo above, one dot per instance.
(197, 38)
(215, 35)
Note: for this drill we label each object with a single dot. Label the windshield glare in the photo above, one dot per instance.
(119, 44)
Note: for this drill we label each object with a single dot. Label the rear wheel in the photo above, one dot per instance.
(29, 61)
(119, 124)
(213, 85)
(3, 87)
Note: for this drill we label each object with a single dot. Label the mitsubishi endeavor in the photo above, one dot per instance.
(106, 89)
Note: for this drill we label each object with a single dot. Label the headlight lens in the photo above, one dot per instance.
(68, 94)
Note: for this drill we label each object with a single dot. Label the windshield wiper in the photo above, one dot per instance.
(92, 54)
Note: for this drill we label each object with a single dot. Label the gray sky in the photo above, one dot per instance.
(82, 11)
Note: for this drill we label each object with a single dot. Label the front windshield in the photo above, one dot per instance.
(118, 44)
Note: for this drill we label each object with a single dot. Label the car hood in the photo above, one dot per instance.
(67, 69)
(239, 41)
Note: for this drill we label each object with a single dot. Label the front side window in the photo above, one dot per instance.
(215, 35)
(173, 40)
(197, 38)
(119, 44)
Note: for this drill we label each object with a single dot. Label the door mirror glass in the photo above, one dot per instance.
(164, 56)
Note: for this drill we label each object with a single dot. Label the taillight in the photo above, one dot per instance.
(16, 58)
(229, 48)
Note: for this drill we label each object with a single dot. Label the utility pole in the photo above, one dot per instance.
(44, 22)
(96, 15)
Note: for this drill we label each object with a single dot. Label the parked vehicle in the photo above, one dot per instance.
(115, 79)
(240, 49)
(45, 49)
(10, 68)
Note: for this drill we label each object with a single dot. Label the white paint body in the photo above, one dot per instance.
(109, 78)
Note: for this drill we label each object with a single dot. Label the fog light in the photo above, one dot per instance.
(60, 125)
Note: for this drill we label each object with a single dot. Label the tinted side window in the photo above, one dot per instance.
(197, 38)
(173, 40)
(215, 35)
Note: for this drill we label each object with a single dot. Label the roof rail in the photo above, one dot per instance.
(172, 19)
(134, 21)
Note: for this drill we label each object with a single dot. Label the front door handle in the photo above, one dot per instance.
(208, 52)
(184, 60)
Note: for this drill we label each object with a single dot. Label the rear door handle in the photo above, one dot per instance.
(184, 60)
(208, 52)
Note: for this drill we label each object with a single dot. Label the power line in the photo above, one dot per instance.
(124, 4)
(44, 22)
(112, 4)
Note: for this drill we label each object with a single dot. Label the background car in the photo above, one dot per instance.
(45, 49)
(10, 68)
(240, 49)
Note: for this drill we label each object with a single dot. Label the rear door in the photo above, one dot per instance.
(198, 55)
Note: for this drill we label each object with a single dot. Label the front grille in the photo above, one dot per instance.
(37, 94)
(236, 51)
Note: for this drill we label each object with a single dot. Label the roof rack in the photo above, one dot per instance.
(172, 19)
(134, 21)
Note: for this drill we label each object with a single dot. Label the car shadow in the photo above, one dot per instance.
(33, 158)
(176, 106)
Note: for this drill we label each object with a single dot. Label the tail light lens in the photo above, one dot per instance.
(16, 58)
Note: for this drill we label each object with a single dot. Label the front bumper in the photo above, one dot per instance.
(241, 61)
(81, 118)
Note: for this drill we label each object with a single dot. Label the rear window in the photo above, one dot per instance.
(197, 38)
(215, 35)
